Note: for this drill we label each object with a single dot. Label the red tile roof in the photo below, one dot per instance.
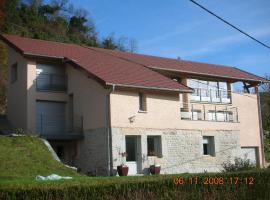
(188, 67)
(106, 68)
(125, 69)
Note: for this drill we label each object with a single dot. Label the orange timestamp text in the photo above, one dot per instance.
(216, 180)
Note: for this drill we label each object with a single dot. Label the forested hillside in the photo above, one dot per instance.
(57, 20)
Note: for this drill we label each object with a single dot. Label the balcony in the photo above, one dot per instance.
(51, 82)
(216, 113)
(57, 127)
(210, 95)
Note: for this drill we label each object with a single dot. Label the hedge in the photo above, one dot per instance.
(244, 185)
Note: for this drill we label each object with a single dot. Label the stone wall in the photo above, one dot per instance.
(182, 150)
(93, 152)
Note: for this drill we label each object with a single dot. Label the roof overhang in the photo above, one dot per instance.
(211, 75)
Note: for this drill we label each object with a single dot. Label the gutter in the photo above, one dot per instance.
(43, 56)
(109, 131)
(204, 74)
(261, 127)
(151, 88)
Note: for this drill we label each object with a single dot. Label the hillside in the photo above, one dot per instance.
(26, 157)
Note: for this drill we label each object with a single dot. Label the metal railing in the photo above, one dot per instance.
(218, 113)
(51, 82)
(51, 126)
(211, 95)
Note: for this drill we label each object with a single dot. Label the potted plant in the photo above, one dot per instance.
(123, 168)
(155, 168)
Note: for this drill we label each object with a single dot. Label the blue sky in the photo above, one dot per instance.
(175, 28)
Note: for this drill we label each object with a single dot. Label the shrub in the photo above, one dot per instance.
(219, 186)
(238, 165)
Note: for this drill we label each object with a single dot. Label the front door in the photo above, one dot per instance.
(133, 150)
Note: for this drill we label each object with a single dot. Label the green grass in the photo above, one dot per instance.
(26, 157)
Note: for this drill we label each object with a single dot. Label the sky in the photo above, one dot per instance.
(179, 28)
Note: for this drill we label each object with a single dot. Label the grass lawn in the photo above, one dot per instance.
(26, 157)
(22, 158)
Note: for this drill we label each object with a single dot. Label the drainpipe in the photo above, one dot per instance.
(109, 132)
(260, 124)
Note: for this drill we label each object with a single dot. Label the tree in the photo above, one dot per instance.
(76, 25)
(265, 104)
(2, 15)
(109, 43)
(127, 44)
(3, 65)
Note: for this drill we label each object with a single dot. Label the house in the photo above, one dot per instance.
(93, 105)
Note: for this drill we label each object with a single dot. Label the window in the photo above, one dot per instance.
(154, 146)
(208, 145)
(211, 115)
(14, 73)
(196, 115)
(142, 102)
(214, 91)
(221, 116)
(223, 87)
(229, 117)
(50, 78)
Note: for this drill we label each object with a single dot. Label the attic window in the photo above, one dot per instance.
(14, 72)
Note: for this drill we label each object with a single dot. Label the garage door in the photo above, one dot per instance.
(250, 153)
(50, 118)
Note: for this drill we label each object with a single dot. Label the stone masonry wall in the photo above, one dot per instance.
(182, 150)
(93, 152)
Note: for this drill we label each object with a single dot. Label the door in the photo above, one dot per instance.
(133, 150)
(50, 118)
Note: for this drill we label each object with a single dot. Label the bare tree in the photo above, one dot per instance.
(266, 87)
(132, 45)
(127, 44)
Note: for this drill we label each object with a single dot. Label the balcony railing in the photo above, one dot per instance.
(51, 82)
(58, 127)
(211, 95)
(210, 113)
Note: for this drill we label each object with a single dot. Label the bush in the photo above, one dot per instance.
(238, 165)
(219, 186)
